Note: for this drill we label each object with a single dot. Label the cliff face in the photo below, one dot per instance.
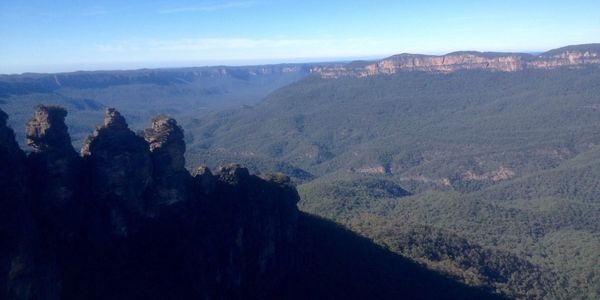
(127, 220)
(570, 57)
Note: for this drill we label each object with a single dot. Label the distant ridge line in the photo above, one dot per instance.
(574, 56)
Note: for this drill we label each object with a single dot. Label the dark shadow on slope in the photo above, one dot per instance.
(335, 263)
(325, 261)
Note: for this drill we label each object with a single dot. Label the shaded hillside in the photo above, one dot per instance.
(545, 247)
(126, 220)
(358, 269)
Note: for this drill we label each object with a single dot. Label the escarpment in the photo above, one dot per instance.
(568, 57)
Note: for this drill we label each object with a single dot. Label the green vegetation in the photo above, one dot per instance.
(359, 269)
(492, 178)
(501, 168)
(516, 250)
(413, 124)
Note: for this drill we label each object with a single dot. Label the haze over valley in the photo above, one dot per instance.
(457, 158)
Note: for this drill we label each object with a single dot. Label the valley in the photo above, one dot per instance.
(484, 167)
(141, 94)
(490, 176)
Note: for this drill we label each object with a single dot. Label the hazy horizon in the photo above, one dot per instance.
(45, 36)
(66, 68)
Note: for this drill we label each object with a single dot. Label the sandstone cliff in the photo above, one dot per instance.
(569, 57)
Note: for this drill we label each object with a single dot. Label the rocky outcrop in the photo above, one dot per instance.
(204, 181)
(232, 173)
(120, 169)
(128, 209)
(47, 131)
(167, 148)
(569, 57)
(501, 174)
(53, 161)
(25, 270)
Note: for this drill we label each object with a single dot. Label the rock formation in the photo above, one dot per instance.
(24, 271)
(204, 180)
(71, 222)
(120, 169)
(12, 160)
(126, 221)
(568, 57)
(167, 148)
(53, 161)
(46, 131)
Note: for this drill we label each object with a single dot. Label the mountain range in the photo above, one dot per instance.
(474, 172)
(482, 167)
(570, 57)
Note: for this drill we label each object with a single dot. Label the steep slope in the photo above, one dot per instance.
(127, 221)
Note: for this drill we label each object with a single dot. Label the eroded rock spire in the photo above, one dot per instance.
(114, 120)
(47, 131)
(121, 168)
(166, 143)
(53, 160)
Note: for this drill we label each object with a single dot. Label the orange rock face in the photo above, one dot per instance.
(498, 62)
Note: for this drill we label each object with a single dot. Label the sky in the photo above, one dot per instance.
(63, 35)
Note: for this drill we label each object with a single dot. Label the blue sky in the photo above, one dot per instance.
(61, 35)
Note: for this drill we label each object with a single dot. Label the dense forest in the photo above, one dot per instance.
(489, 176)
